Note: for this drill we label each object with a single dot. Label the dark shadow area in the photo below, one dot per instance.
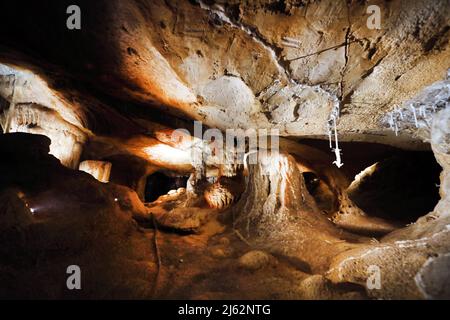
(356, 156)
(311, 181)
(159, 184)
(320, 191)
(403, 187)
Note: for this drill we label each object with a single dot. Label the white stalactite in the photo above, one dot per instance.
(12, 107)
(420, 111)
(329, 136)
(391, 120)
(415, 116)
(399, 112)
(332, 121)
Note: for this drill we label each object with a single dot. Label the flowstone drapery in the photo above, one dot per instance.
(277, 213)
(275, 192)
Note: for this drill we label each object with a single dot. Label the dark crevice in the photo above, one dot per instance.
(159, 184)
(434, 41)
(403, 187)
(320, 191)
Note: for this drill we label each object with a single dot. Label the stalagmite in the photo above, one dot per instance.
(277, 212)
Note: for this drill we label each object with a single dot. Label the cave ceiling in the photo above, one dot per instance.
(233, 65)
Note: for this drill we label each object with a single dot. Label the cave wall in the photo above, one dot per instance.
(412, 260)
(187, 56)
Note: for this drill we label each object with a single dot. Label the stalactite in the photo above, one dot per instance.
(11, 109)
(415, 116)
(400, 113)
(391, 120)
(329, 136)
(337, 151)
(332, 126)
(419, 112)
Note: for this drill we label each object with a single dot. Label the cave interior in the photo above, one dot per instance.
(116, 154)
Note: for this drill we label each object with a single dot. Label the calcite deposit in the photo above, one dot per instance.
(267, 149)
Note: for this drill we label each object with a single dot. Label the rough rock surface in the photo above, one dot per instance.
(115, 91)
(301, 60)
(255, 260)
(58, 217)
(404, 255)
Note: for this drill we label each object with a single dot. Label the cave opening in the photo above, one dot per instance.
(402, 187)
(158, 184)
(384, 181)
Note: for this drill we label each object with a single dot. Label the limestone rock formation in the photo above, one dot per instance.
(268, 149)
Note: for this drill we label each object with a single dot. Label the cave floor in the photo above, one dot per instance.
(212, 265)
